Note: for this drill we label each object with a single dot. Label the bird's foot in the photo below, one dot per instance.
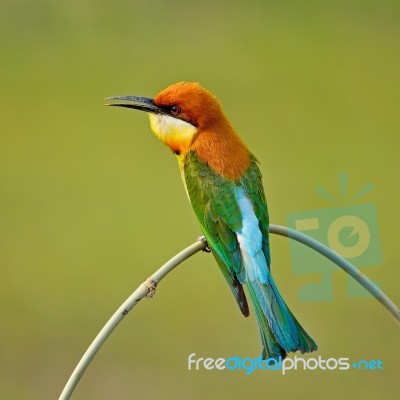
(152, 287)
(203, 239)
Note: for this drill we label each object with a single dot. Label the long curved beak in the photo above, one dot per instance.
(138, 103)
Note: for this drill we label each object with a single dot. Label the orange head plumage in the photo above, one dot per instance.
(192, 103)
(187, 117)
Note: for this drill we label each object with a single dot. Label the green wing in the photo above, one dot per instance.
(214, 202)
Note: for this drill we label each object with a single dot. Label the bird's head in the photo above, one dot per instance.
(178, 113)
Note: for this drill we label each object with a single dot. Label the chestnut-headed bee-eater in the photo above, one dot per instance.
(224, 186)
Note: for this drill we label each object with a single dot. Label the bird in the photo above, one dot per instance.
(224, 185)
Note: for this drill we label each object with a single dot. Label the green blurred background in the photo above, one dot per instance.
(91, 203)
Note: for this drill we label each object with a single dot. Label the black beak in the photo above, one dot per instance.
(138, 103)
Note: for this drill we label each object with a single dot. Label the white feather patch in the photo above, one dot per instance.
(165, 126)
(250, 240)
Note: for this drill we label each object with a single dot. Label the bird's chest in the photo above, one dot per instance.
(181, 163)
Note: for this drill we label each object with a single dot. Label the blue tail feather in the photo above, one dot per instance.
(280, 332)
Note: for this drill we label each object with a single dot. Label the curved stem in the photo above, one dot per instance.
(147, 289)
(342, 263)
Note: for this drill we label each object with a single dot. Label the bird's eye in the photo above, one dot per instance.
(175, 110)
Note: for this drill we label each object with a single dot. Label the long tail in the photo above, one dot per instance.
(280, 332)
